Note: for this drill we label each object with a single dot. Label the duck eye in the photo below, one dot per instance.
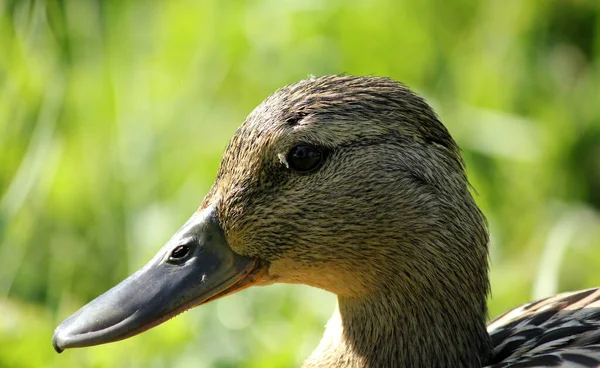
(305, 158)
(179, 253)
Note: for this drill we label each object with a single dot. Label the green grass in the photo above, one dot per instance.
(114, 115)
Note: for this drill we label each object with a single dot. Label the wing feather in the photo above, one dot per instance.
(560, 331)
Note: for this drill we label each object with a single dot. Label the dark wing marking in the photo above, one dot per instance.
(560, 331)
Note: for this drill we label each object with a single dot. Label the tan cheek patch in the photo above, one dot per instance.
(330, 278)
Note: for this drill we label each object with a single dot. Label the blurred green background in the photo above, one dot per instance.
(114, 115)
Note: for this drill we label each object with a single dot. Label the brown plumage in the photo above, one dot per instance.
(386, 222)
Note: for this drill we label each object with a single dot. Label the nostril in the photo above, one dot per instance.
(180, 252)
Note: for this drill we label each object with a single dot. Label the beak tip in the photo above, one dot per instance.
(56, 343)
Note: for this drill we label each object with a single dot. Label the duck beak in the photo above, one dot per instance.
(194, 267)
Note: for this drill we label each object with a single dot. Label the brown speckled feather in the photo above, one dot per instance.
(389, 225)
(560, 331)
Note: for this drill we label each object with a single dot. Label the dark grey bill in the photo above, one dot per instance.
(194, 267)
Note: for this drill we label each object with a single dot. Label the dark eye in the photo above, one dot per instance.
(179, 253)
(305, 158)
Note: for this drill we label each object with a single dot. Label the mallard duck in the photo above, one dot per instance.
(353, 185)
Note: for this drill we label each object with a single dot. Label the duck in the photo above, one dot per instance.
(350, 184)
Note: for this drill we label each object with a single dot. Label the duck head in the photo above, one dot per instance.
(349, 184)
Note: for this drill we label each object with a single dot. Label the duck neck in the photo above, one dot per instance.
(391, 330)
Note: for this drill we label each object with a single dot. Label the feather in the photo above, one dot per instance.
(559, 331)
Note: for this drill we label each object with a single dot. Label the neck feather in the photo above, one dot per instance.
(389, 329)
